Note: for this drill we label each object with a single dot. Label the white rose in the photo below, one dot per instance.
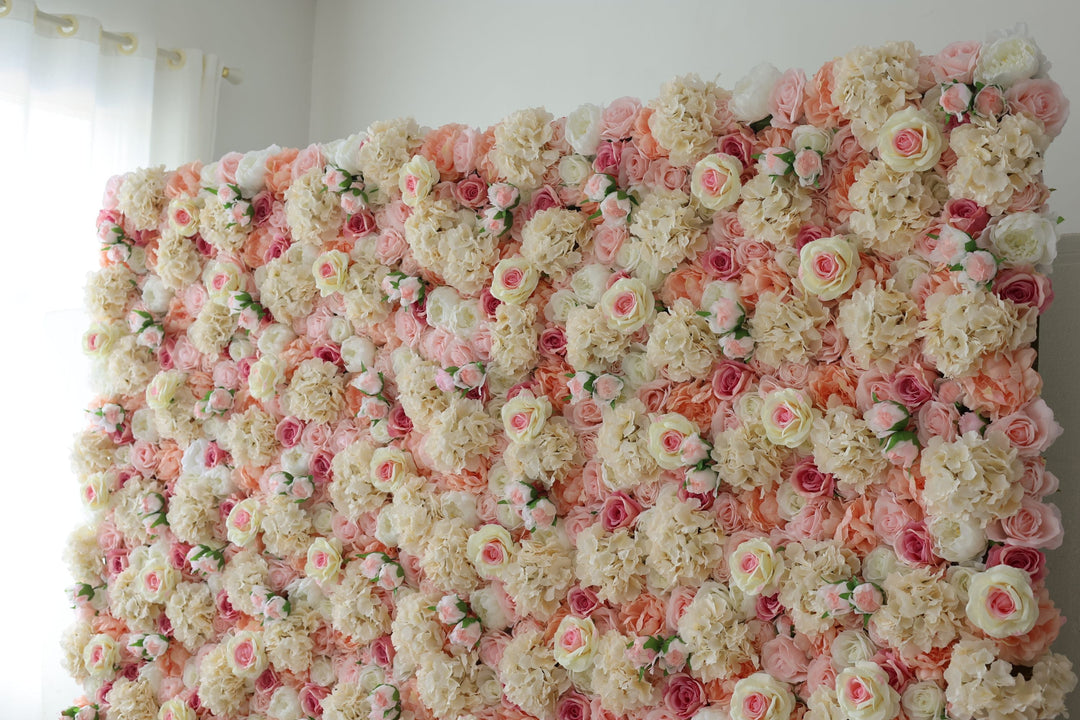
(387, 526)
(923, 701)
(754, 566)
(628, 305)
(955, 538)
(808, 137)
(143, 425)
(100, 655)
(761, 697)
(878, 563)
(441, 303)
(637, 368)
(284, 704)
(490, 549)
(241, 347)
(358, 353)
(666, 436)
(514, 279)
(863, 693)
(274, 338)
(346, 153)
(574, 170)
(1001, 603)
(251, 171)
(559, 306)
(788, 501)
(331, 272)
(910, 141)
(265, 375)
(1007, 61)
(906, 270)
(851, 647)
(589, 281)
(575, 643)
(416, 179)
(295, 460)
(465, 319)
(959, 576)
(155, 295)
(828, 266)
(787, 416)
(750, 99)
(163, 388)
(715, 181)
(583, 129)
(488, 608)
(524, 416)
(1024, 238)
(242, 525)
(339, 329)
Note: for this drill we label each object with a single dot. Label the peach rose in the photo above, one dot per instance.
(786, 98)
(1043, 100)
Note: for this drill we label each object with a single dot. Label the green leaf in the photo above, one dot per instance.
(761, 124)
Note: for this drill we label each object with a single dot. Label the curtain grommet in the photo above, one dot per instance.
(176, 59)
(130, 44)
(5, 7)
(70, 26)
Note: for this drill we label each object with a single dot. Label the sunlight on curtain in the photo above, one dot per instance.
(73, 111)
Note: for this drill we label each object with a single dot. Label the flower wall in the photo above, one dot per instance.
(721, 405)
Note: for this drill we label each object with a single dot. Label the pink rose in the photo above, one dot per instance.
(956, 99)
(818, 518)
(891, 515)
(866, 598)
(582, 601)
(608, 239)
(820, 673)
(361, 224)
(619, 510)
(608, 158)
(980, 266)
(573, 706)
(544, 198)
(807, 167)
(617, 119)
(768, 607)
(771, 163)
(1043, 100)
(472, 192)
(830, 598)
(1036, 481)
(311, 697)
(966, 215)
(937, 419)
(1024, 287)
(810, 482)
(1035, 525)
(1030, 560)
(912, 387)
(683, 695)
(990, 102)
(1031, 430)
(914, 546)
(308, 158)
(782, 658)
(720, 262)
(956, 61)
(786, 98)
(662, 174)
(738, 146)
(633, 167)
(226, 168)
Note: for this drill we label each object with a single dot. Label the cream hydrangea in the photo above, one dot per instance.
(353, 490)
(959, 330)
(221, 690)
(446, 240)
(521, 154)
(447, 684)
(593, 344)
(786, 328)
(611, 562)
(773, 209)
(870, 84)
(972, 477)
(891, 207)
(513, 340)
(249, 437)
(363, 293)
(177, 260)
(108, 291)
(286, 287)
(546, 458)
(141, 197)
(415, 632)
(288, 645)
(714, 628)
(622, 446)
(616, 680)
(316, 392)
(531, 678)
(286, 527)
(191, 612)
(132, 700)
(687, 117)
(745, 457)
(551, 240)
(540, 574)
(879, 322)
(459, 436)
(681, 545)
(218, 226)
(355, 609)
(681, 344)
(995, 159)
(212, 329)
(445, 559)
(389, 145)
(921, 612)
(808, 565)
(665, 230)
(845, 446)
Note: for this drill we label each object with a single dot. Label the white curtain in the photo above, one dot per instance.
(74, 110)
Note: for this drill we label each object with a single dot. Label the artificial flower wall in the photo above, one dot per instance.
(720, 405)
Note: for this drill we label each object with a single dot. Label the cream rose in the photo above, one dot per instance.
(176, 709)
(514, 280)
(715, 181)
(323, 561)
(574, 170)
(761, 697)
(754, 566)
(828, 266)
(524, 416)
(158, 578)
(923, 701)
(184, 216)
(863, 693)
(100, 655)
(246, 655)
(583, 129)
(242, 525)
(667, 434)
(389, 467)
(1024, 238)
(575, 643)
(910, 141)
(331, 272)
(1001, 602)
(788, 417)
(163, 388)
(490, 549)
(265, 375)
(416, 179)
(1007, 61)
(628, 305)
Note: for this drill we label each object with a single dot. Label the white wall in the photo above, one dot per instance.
(269, 40)
(475, 61)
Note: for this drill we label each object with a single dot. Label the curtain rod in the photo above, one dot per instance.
(67, 25)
